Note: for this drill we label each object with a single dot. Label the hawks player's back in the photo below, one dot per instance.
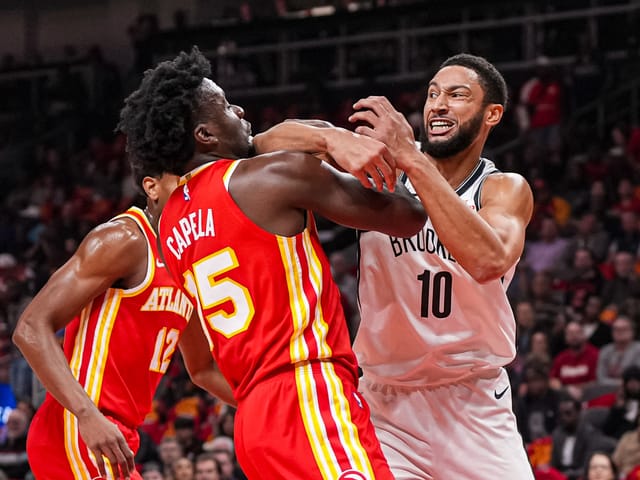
(268, 301)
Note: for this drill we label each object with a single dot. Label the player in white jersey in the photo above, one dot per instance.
(436, 325)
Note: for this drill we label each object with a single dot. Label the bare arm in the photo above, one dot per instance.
(292, 182)
(365, 158)
(200, 364)
(110, 252)
(486, 245)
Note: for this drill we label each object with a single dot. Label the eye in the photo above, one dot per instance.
(432, 94)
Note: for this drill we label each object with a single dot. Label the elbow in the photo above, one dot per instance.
(488, 270)
(23, 335)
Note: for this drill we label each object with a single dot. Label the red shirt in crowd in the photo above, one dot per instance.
(573, 368)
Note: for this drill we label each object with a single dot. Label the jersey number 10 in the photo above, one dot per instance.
(436, 294)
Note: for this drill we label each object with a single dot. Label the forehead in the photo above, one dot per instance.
(212, 89)
(456, 75)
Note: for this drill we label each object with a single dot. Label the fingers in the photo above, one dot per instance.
(366, 116)
(380, 105)
(100, 464)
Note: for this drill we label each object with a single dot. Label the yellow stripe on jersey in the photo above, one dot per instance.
(341, 413)
(138, 216)
(71, 446)
(320, 326)
(314, 423)
(100, 348)
(297, 302)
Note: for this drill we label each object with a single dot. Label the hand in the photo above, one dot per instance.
(386, 125)
(103, 437)
(363, 157)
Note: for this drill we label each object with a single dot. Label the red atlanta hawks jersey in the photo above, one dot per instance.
(267, 302)
(122, 342)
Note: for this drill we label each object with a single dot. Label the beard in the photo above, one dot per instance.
(457, 143)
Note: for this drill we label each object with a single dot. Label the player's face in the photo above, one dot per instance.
(454, 112)
(226, 122)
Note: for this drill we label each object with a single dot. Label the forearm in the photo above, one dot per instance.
(469, 238)
(40, 347)
(292, 136)
(212, 381)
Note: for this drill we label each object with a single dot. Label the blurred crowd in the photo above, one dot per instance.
(576, 292)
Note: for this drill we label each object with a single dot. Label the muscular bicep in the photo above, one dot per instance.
(507, 205)
(108, 253)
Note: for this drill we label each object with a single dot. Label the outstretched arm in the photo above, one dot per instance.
(291, 182)
(486, 245)
(107, 254)
(199, 362)
(365, 158)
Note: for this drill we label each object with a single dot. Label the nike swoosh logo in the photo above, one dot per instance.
(501, 394)
(159, 264)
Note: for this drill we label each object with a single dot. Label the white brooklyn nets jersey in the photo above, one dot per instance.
(425, 320)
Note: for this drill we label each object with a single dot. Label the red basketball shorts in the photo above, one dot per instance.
(309, 423)
(57, 452)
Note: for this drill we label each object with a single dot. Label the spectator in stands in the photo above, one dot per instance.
(595, 330)
(542, 97)
(152, 471)
(627, 238)
(623, 414)
(182, 469)
(547, 303)
(627, 453)
(627, 201)
(573, 440)
(13, 448)
(525, 325)
(169, 452)
(537, 405)
(623, 352)
(207, 467)
(590, 235)
(186, 435)
(223, 451)
(547, 205)
(545, 253)
(624, 284)
(581, 278)
(600, 466)
(575, 367)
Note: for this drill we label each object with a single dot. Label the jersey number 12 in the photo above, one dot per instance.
(436, 294)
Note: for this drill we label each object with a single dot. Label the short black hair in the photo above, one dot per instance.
(160, 115)
(491, 80)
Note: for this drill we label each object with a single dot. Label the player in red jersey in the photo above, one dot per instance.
(239, 236)
(123, 316)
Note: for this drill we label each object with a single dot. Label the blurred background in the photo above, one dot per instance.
(571, 128)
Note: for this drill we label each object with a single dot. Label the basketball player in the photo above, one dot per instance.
(240, 236)
(123, 317)
(436, 326)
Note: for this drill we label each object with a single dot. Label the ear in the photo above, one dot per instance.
(204, 136)
(151, 187)
(494, 114)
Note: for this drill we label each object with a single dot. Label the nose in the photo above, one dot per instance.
(239, 111)
(440, 103)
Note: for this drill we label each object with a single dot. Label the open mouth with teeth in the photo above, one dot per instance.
(440, 126)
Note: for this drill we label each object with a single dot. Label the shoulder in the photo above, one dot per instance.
(508, 189)
(115, 241)
(507, 181)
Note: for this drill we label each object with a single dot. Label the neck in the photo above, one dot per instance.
(457, 168)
